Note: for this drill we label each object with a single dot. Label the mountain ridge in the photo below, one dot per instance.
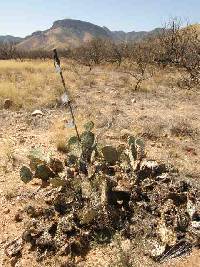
(10, 38)
(70, 33)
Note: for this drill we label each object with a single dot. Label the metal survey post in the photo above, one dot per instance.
(65, 97)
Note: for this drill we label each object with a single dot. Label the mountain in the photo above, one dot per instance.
(69, 33)
(10, 39)
(63, 34)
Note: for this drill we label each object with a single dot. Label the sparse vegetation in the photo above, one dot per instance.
(127, 88)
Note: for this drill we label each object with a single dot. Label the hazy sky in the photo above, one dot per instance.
(22, 17)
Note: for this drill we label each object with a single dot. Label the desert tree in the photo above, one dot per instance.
(180, 47)
(139, 63)
(7, 50)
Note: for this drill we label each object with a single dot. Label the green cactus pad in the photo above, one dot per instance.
(110, 154)
(43, 172)
(89, 126)
(26, 174)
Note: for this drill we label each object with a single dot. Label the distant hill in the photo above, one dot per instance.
(10, 39)
(69, 33)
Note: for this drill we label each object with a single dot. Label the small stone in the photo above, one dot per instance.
(6, 211)
(37, 113)
(14, 248)
(7, 103)
(158, 249)
(45, 240)
(151, 168)
(13, 261)
(133, 100)
(19, 216)
(65, 224)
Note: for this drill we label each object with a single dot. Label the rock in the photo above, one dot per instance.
(7, 103)
(26, 174)
(110, 154)
(66, 224)
(150, 168)
(167, 235)
(45, 241)
(19, 216)
(133, 101)
(14, 248)
(101, 122)
(6, 211)
(158, 250)
(37, 113)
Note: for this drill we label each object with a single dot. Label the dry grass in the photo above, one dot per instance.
(33, 84)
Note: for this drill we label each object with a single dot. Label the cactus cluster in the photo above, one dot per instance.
(41, 167)
(99, 191)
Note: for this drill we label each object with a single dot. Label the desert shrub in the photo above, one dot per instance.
(139, 63)
(180, 47)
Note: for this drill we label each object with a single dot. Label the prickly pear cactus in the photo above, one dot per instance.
(74, 147)
(132, 148)
(26, 174)
(110, 154)
(89, 126)
(87, 139)
(36, 157)
(43, 172)
(140, 147)
(87, 142)
(136, 151)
